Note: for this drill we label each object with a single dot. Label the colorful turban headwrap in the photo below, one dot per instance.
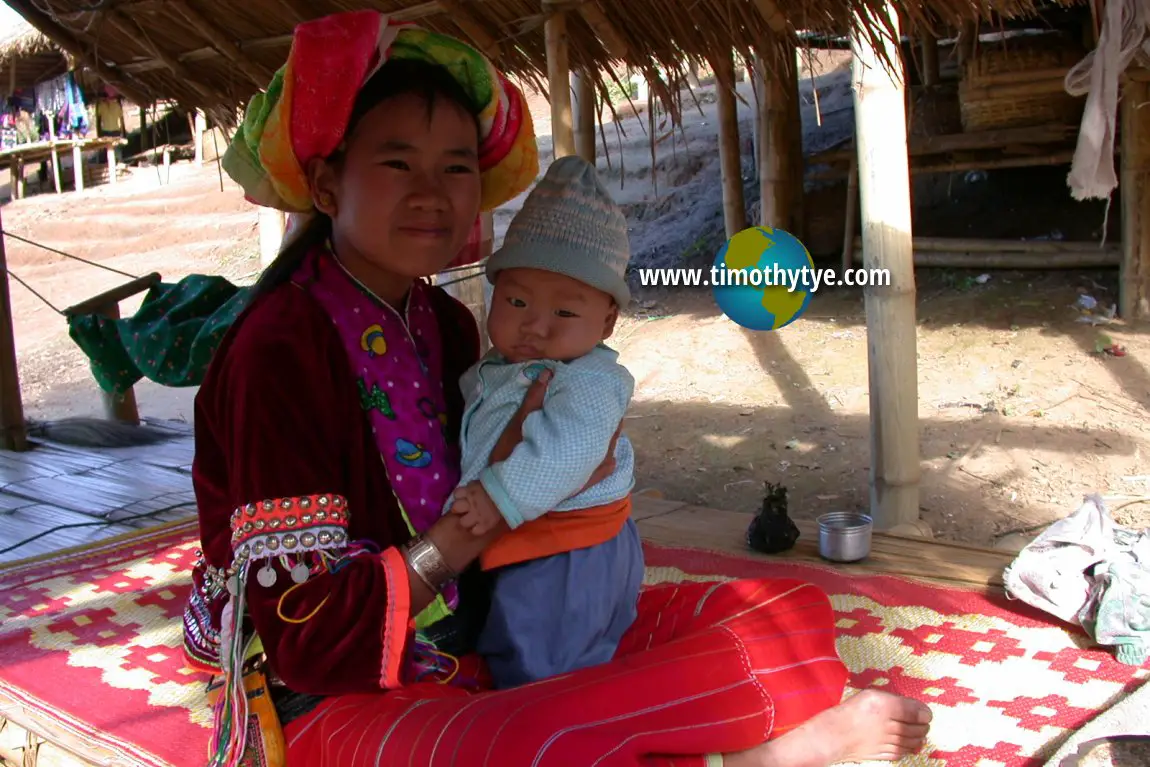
(304, 112)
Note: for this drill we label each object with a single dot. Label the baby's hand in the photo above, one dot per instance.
(478, 513)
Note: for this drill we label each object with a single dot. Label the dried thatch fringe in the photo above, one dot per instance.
(658, 37)
(23, 41)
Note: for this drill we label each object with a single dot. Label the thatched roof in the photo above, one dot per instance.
(33, 56)
(215, 54)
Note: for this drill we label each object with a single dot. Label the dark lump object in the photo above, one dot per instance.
(772, 531)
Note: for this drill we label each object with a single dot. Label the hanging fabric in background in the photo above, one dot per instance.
(61, 98)
(77, 111)
(51, 95)
(1122, 36)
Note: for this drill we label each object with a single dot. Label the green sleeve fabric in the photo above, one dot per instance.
(170, 340)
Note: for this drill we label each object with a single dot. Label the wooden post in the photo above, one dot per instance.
(78, 167)
(930, 66)
(167, 164)
(272, 223)
(884, 186)
(13, 432)
(107, 304)
(55, 154)
(118, 408)
(730, 160)
(112, 174)
(199, 125)
(584, 88)
(1134, 190)
(145, 139)
(16, 170)
(559, 85)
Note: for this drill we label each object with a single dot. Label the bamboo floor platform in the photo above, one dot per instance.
(681, 525)
(53, 485)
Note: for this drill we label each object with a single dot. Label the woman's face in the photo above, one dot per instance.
(407, 191)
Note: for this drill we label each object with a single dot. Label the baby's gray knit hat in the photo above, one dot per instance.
(570, 225)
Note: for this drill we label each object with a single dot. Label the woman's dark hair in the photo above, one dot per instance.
(397, 77)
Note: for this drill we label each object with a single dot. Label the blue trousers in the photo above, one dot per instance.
(565, 612)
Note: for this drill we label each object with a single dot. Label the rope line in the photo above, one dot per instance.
(96, 264)
(32, 290)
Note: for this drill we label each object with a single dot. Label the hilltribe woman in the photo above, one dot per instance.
(326, 446)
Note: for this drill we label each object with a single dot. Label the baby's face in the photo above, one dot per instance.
(537, 314)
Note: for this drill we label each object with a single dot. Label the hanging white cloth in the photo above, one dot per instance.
(1122, 36)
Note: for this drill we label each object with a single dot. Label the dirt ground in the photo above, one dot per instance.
(1020, 416)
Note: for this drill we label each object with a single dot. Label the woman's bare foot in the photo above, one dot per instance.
(871, 725)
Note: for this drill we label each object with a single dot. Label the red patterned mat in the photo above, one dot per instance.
(90, 644)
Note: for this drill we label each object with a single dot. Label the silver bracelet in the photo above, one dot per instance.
(428, 563)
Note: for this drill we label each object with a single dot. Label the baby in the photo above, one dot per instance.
(567, 576)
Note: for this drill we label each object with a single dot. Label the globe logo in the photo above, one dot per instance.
(772, 279)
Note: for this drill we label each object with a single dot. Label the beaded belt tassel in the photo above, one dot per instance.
(306, 535)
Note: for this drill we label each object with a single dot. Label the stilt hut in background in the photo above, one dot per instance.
(54, 114)
(211, 56)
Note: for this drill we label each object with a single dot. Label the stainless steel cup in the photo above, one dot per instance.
(844, 536)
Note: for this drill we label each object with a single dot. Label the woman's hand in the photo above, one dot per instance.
(459, 548)
(513, 434)
(605, 469)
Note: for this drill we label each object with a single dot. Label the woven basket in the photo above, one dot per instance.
(1006, 66)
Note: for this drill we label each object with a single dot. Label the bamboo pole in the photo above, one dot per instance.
(884, 196)
(851, 215)
(991, 139)
(13, 432)
(758, 127)
(199, 126)
(776, 175)
(797, 160)
(734, 203)
(612, 41)
(584, 87)
(559, 85)
(127, 26)
(930, 66)
(1019, 161)
(972, 245)
(1134, 190)
(1087, 258)
(218, 39)
(471, 27)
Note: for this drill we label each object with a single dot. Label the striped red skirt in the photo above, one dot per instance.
(707, 668)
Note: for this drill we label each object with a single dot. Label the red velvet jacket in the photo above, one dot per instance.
(278, 416)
